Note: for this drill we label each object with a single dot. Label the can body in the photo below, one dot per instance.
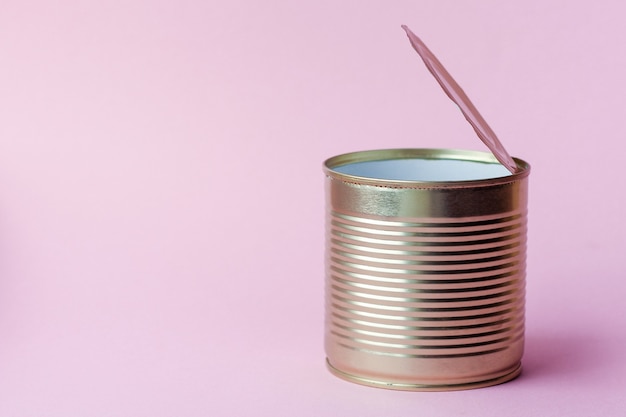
(425, 268)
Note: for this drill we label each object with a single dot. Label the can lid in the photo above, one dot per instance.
(454, 91)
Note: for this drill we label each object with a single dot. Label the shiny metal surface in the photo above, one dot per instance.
(425, 280)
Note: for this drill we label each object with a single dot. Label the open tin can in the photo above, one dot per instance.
(425, 268)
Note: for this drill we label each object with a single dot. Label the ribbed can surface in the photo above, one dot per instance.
(425, 279)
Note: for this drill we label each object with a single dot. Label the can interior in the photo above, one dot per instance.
(419, 169)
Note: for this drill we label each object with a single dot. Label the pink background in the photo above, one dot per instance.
(161, 195)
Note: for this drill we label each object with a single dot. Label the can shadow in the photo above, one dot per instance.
(558, 356)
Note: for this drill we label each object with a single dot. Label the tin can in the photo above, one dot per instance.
(425, 268)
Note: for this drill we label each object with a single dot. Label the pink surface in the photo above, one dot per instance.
(161, 196)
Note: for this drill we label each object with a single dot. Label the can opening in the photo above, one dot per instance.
(418, 169)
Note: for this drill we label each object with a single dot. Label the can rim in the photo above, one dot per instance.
(420, 153)
(490, 380)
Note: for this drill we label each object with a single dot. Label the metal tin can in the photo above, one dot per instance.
(425, 268)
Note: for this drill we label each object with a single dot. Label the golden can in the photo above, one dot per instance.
(425, 268)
